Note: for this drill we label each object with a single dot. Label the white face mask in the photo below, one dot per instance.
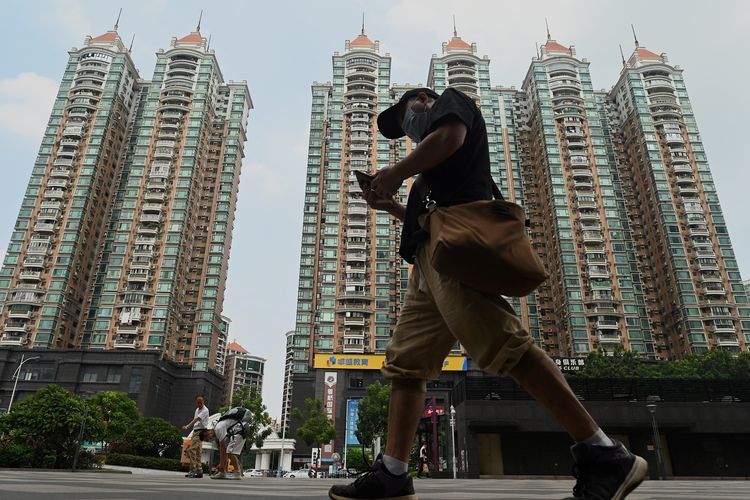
(415, 124)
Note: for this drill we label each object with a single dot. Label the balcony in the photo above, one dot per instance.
(165, 144)
(159, 171)
(682, 168)
(356, 257)
(38, 248)
(598, 272)
(63, 162)
(33, 262)
(57, 183)
(152, 207)
(125, 341)
(30, 275)
(138, 277)
(585, 185)
(726, 341)
(357, 210)
(154, 195)
(350, 348)
(54, 194)
(60, 172)
(607, 324)
(589, 215)
(150, 218)
(16, 313)
(593, 236)
(721, 326)
(698, 230)
(354, 321)
(10, 339)
(73, 131)
(17, 328)
(687, 189)
(693, 208)
(164, 153)
(711, 277)
(24, 298)
(44, 227)
(143, 250)
(147, 230)
(706, 264)
(674, 138)
(714, 289)
(607, 337)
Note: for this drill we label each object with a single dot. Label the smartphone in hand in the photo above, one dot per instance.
(363, 179)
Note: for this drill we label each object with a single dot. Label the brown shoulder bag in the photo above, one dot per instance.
(483, 244)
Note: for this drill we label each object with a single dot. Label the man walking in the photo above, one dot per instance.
(453, 163)
(195, 450)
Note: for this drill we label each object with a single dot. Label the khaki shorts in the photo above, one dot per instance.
(439, 310)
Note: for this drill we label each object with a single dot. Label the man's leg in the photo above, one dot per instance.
(405, 409)
(544, 381)
(222, 456)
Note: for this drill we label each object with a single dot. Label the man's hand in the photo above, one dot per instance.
(386, 182)
(378, 202)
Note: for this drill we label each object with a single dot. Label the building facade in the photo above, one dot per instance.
(591, 168)
(242, 370)
(123, 238)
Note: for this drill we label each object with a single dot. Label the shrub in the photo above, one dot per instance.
(158, 463)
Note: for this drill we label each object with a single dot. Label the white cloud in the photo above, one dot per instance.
(25, 104)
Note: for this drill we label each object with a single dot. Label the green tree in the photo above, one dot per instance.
(373, 414)
(260, 423)
(154, 437)
(117, 414)
(317, 428)
(48, 423)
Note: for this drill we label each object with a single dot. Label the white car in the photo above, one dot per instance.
(254, 473)
(300, 473)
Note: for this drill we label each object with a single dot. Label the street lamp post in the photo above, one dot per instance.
(79, 442)
(657, 441)
(17, 374)
(453, 438)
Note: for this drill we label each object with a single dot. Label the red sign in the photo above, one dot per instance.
(329, 406)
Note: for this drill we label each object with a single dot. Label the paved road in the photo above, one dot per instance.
(28, 485)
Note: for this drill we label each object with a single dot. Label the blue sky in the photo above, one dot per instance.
(281, 47)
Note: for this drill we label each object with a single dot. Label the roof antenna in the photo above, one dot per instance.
(547, 25)
(130, 49)
(634, 37)
(455, 33)
(117, 23)
(363, 24)
(200, 18)
(622, 55)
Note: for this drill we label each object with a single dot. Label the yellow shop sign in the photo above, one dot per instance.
(375, 362)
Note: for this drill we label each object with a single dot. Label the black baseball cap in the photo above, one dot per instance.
(389, 123)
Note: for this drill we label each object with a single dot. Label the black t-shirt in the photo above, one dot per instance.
(462, 178)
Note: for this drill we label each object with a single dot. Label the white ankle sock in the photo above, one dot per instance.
(599, 438)
(395, 466)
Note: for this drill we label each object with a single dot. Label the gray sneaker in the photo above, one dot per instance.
(606, 472)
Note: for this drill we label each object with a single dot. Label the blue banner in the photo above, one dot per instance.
(352, 420)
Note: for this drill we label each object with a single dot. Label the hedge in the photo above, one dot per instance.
(158, 463)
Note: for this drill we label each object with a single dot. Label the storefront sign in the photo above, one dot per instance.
(375, 362)
(352, 421)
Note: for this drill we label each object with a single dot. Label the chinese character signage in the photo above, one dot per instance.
(352, 421)
(329, 406)
(569, 364)
(375, 362)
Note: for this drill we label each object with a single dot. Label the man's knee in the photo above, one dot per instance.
(531, 358)
(412, 385)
